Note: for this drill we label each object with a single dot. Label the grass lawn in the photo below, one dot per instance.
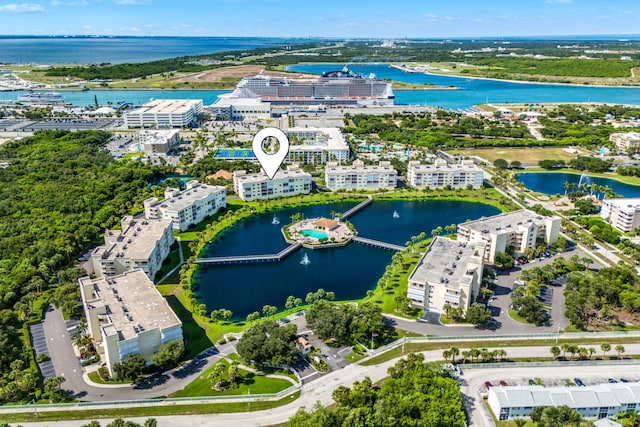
(196, 340)
(97, 378)
(523, 155)
(249, 383)
(515, 316)
(149, 411)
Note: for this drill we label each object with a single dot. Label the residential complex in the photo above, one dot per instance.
(187, 207)
(600, 401)
(623, 214)
(127, 315)
(316, 146)
(227, 107)
(626, 141)
(158, 141)
(519, 229)
(165, 113)
(360, 177)
(441, 174)
(285, 183)
(449, 272)
(141, 243)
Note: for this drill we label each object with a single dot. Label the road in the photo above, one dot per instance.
(67, 365)
(320, 391)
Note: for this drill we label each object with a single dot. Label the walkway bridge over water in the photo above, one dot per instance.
(357, 208)
(378, 243)
(247, 259)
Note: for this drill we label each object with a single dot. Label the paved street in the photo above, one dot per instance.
(320, 391)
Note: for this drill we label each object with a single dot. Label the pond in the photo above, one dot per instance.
(348, 271)
(553, 183)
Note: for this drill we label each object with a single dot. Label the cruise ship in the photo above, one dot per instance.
(334, 88)
(41, 98)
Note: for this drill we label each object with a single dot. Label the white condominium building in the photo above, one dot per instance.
(449, 272)
(440, 174)
(360, 177)
(158, 141)
(519, 229)
(126, 315)
(593, 401)
(165, 113)
(316, 146)
(623, 214)
(626, 141)
(227, 107)
(285, 183)
(141, 243)
(187, 207)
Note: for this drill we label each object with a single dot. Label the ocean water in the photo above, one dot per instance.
(116, 50)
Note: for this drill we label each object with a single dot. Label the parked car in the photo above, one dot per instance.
(532, 382)
(503, 383)
(579, 382)
(613, 380)
(624, 380)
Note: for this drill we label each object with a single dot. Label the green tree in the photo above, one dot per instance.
(605, 347)
(169, 355)
(252, 317)
(268, 343)
(478, 314)
(620, 349)
(132, 368)
(269, 310)
(555, 351)
(501, 163)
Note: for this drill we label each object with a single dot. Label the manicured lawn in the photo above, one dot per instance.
(249, 383)
(523, 155)
(196, 339)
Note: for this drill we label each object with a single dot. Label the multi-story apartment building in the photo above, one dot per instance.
(519, 229)
(126, 315)
(449, 272)
(441, 174)
(623, 214)
(165, 113)
(316, 146)
(285, 183)
(626, 141)
(140, 244)
(187, 207)
(360, 177)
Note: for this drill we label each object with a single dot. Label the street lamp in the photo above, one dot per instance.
(557, 334)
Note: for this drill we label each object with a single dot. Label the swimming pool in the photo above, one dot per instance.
(315, 234)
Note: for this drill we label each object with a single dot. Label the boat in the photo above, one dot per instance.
(41, 97)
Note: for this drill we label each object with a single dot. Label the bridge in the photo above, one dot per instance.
(378, 243)
(246, 259)
(357, 208)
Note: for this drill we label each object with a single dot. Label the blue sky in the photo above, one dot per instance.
(324, 18)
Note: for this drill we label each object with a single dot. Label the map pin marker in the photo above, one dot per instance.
(270, 162)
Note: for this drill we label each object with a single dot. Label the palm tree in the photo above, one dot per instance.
(465, 355)
(605, 346)
(555, 351)
(591, 351)
(454, 352)
(619, 350)
(446, 354)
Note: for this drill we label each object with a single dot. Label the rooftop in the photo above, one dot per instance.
(325, 222)
(262, 177)
(167, 106)
(505, 221)
(132, 302)
(442, 165)
(185, 198)
(136, 240)
(624, 203)
(157, 136)
(316, 138)
(358, 166)
(575, 397)
(447, 261)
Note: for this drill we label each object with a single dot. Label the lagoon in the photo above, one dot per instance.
(553, 183)
(348, 271)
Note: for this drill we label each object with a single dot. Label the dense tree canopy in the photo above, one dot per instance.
(345, 323)
(268, 343)
(415, 395)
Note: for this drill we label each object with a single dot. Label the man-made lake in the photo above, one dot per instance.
(348, 271)
(553, 183)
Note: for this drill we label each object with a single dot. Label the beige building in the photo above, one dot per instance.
(449, 272)
(165, 113)
(519, 229)
(623, 214)
(285, 183)
(227, 107)
(140, 244)
(316, 146)
(626, 141)
(187, 207)
(127, 315)
(158, 141)
(441, 174)
(360, 177)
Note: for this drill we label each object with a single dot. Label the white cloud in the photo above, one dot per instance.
(558, 1)
(21, 8)
(132, 2)
(86, 27)
(134, 29)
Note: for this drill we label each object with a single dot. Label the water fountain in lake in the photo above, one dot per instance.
(396, 214)
(584, 179)
(275, 220)
(305, 260)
